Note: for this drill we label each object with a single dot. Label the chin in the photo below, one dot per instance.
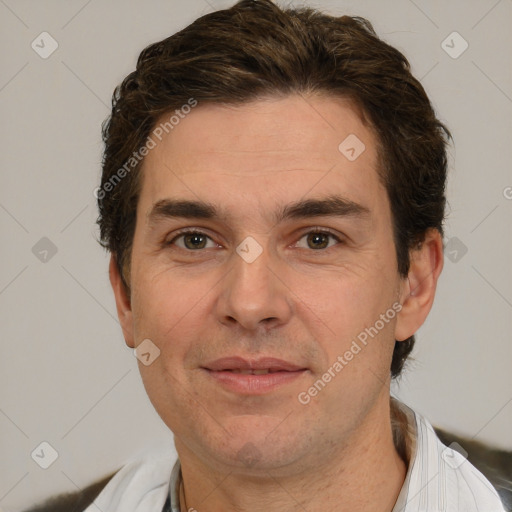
(258, 444)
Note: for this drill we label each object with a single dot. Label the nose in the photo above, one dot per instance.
(255, 293)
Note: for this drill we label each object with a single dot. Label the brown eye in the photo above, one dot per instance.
(191, 240)
(319, 239)
(194, 241)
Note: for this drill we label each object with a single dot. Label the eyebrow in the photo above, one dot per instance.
(331, 206)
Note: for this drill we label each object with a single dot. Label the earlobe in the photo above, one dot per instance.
(123, 304)
(418, 290)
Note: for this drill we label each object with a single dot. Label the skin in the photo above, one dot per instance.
(296, 302)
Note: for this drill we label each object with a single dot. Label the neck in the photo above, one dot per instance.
(365, 474)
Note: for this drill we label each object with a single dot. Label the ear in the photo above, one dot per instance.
(419, 288)
(124, 309)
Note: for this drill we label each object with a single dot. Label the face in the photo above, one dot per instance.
(258, 296)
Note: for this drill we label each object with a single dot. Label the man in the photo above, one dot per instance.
(273, 200)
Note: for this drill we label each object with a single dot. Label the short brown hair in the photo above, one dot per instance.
(256, 49)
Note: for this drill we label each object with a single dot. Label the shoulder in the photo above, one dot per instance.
(447, 472)
(75, 501)
(141, 484)
(493, 463)
(454, 482)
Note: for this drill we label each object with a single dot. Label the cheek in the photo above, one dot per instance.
(353, 315)
(171, 312)
(159, 299)
(347, 297)
(357, 343)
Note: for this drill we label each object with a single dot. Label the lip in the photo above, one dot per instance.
(226, 372)
(262, 363)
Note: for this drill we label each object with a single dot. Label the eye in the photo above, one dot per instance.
(192, 240)
(318, 239)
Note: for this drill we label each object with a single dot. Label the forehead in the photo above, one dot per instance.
(252, 154)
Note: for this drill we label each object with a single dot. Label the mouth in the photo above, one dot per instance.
(250, 372)
(253, 376)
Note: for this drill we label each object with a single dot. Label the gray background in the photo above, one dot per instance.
(66, 375)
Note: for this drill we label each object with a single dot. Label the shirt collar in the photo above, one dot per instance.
(405, 435)
(174, 488)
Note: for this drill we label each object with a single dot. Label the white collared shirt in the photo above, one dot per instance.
(438, 479)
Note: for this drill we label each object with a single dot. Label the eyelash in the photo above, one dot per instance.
(193, 231)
